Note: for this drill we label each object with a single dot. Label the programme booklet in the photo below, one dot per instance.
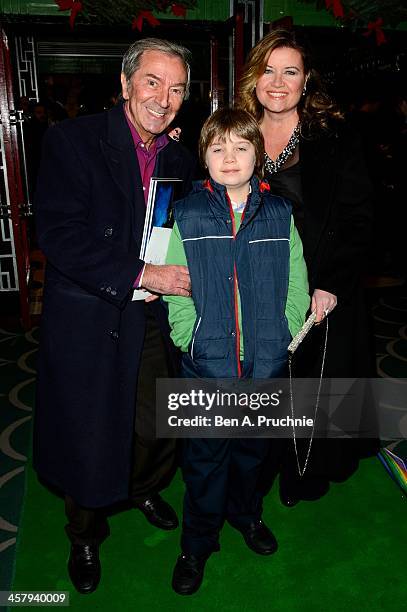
(158, 223)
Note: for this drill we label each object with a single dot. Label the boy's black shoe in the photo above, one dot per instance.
(84, 567)
(259, 538)
(188, 574)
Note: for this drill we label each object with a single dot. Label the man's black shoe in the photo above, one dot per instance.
(159, 513)
(84, 567)
(259, 538)
(188, 574)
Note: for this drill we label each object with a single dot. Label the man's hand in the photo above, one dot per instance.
(167, 280)
(152, 298)
(323, 303)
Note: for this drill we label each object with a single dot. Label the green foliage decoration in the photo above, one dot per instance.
(119, 12)
(364, 13)
(122, 11)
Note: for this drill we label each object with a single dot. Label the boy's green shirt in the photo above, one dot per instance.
(182, 313)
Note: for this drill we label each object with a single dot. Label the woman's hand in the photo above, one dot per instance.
(323, 303)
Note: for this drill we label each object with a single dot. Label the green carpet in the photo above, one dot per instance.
(343, 552)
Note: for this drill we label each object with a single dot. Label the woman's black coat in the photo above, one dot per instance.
(336, 232)
(336, 195)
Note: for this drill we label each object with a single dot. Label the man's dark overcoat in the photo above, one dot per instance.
(90, 212)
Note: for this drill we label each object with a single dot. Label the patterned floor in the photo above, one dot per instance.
(390, 324)
(17, 371)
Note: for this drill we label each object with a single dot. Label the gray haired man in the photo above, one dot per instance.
(100, 351)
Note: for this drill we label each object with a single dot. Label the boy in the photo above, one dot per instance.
(249, 294)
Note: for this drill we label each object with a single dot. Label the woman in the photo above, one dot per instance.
(313, 159)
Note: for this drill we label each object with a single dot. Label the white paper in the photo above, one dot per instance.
(156, 253)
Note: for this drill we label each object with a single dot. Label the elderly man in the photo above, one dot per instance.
(90, 208)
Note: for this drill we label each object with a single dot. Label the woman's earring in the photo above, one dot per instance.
(304, 91)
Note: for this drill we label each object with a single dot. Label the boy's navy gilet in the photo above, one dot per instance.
(257, 261)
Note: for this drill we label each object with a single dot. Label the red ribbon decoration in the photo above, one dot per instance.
(76, 8)
(336, 6)
(178, 10)
(376, 27)
(148, 16)
(70, 5)
(64, 5)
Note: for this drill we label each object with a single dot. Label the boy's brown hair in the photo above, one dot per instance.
(240, 122)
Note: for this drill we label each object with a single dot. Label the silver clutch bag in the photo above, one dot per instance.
(298, 338)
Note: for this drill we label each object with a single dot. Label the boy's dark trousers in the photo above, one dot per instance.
(221, 478)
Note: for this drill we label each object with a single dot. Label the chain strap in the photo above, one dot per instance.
(301, 472)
